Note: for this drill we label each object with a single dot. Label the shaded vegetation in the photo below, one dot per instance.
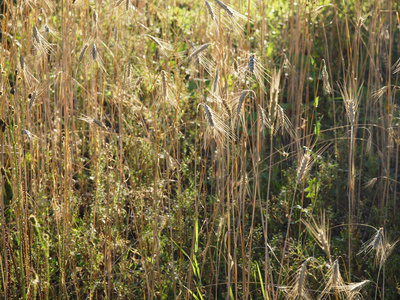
(199, 150)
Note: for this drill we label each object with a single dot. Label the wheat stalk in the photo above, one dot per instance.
(263, 120)
(251, 64)
(335, 283)
(22, 61)
(93, 51)
(242, 97)
(325, 79)
(381, 245)
(82, 53)
(215, 83)
(351, 97)
(36, 34)
(216, 126)
(32, 101)
(198, 50)
(320, 232)
(225, 7)
(210, 10)
(40, 43)
(209, 115)
(298, 288)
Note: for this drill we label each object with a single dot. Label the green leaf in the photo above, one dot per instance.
(317, 128)
(261, 281)
(316, 101)
(312, 61)
(196, 243)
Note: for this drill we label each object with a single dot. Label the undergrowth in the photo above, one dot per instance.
(199, 150)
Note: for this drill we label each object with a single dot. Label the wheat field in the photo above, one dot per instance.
(218, 149)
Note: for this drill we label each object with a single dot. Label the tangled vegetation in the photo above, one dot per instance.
(156, 149)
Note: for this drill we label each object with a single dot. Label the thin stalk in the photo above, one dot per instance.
(19, 215)
(286, 240)
(377, 284)
(267, 264)
(3, 220)
(350, 196)
(383, 284)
